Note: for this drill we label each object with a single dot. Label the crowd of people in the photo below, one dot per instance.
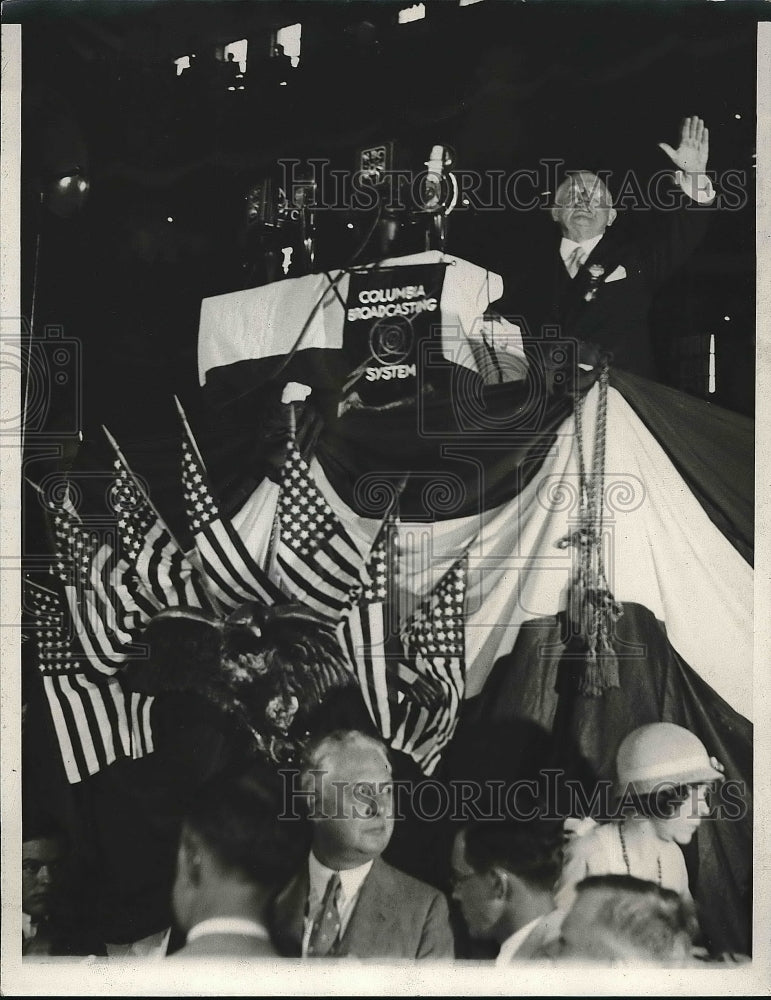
(255, 879)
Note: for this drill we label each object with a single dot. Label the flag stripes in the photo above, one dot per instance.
(434, 640)
(233, 574)
(169, 578)
(363, 638)
(78, 564)
(95, 722)
(413, 679)
(316, 558)
(227, 565)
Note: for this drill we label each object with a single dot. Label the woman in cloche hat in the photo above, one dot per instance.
(664, 773)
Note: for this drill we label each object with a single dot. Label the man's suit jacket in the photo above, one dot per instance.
(541, 292)
(226, 946)
(395, 916)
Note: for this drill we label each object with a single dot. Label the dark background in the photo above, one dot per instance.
(505, 84)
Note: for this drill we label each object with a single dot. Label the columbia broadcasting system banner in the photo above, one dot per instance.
(390, 312)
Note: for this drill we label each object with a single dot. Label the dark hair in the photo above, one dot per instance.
(662, 802)
(238, 820)
(652, 919)
(530, 850)
(39, 826)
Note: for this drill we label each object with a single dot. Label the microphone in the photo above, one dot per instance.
(438, 190)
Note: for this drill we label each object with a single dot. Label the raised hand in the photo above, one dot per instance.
(692, 153)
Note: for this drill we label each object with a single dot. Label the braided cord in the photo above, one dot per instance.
(592, 605)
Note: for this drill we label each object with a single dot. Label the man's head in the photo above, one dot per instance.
(504, 873)
(582, 206)
(233, 851)
(347, 775)
(617, 919)
(42, 864)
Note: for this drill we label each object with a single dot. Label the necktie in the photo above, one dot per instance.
(575, 260)
(326, 926)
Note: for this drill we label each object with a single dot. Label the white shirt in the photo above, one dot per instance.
(549, 924)
(351, 881)
(28, 926)
(568, 246)
(512, 944)
(227, 925)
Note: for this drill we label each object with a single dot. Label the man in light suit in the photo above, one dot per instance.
(345, 900)
(233, 854)
(597, 282)
(503, 876)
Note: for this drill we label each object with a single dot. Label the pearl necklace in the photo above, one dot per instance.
(626, 856)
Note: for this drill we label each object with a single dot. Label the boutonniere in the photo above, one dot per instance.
(596, 274)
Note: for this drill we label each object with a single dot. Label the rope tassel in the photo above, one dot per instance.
(592, 610)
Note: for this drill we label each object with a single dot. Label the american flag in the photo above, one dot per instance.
(412, 679)
(233, 574)
(94, 723)
(166, 576)
(367, 632)
(434, 643)
(317, 561)
(92, 578)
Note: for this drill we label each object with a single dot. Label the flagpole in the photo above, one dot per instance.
(274, 528)
(39, 586)
(194, 555)
(189, 433)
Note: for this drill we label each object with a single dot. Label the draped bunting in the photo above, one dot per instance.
(664, 553)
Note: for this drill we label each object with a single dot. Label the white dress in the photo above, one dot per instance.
(601, 852)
